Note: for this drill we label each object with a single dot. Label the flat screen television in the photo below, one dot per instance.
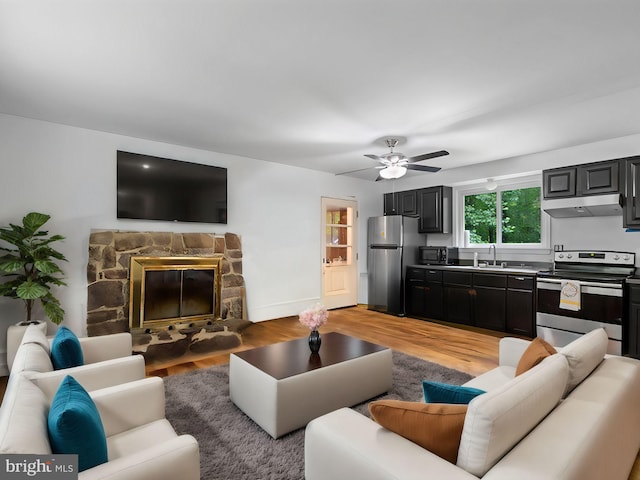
(155, 188)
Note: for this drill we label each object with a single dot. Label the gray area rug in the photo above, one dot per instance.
(233, 447)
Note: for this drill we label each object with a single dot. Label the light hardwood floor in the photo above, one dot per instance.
(470, 350)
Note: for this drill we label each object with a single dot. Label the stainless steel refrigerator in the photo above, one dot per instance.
(392, 244)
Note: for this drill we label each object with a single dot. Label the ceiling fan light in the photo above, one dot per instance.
(394, 171)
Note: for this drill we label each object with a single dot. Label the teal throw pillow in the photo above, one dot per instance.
(66, 351)
(75, 426)
(435, 392)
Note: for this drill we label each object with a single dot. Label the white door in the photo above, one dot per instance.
(339, 256)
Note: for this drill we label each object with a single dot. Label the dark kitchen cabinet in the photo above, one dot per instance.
(631, 328)
(434, 209)
(632, 192)
(490, 301)
(424, 295)
(559, 182)
(401, 203)
(598, 178)
(521, 319)
(458, 297)
(595, 178)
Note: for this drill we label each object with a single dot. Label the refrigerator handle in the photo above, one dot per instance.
(384, 247)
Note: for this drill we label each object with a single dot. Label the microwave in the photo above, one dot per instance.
(437, 255)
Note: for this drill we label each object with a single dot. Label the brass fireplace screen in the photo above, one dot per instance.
(166, 291)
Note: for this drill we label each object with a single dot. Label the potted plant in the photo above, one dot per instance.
(30, 264)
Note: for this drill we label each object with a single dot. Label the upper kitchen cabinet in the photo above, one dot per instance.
(581, 180)
(632, 192)
(598, 178)
(401, 203)
(431, 205)
(434, 209)
(559, 182)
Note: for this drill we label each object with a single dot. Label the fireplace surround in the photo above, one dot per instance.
(208, 324)
(170, 291)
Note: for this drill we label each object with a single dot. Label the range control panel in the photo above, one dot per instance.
(595, 257)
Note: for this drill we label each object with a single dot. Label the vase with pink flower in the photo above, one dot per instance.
(313, 318)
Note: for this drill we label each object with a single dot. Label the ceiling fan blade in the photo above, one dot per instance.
(379, 178)
(374, 157)
(423, 168)
(354, 171)
(427, 156)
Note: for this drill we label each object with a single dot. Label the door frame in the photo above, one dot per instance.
(353, 274)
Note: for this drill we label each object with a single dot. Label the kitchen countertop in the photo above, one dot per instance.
(515, 268)
(635, 280)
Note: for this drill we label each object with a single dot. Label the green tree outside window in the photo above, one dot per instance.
(518, 211)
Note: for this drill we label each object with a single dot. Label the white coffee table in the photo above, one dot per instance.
(283, 386)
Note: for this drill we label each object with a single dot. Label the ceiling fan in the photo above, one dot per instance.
(395, 165)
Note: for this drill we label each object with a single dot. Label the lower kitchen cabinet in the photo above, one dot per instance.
(631, 329)
(458, 297)
(424, 297)
(490, 301)
(521, 314)
(495, 301)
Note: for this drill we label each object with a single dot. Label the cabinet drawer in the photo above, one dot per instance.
(521, 282)
(433, 275)
(489, 280)
(415, 273)
(457, 278)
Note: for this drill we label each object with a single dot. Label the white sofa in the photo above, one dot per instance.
(141, 443)
(574, 416)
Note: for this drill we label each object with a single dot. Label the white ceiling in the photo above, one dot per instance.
(320, 83)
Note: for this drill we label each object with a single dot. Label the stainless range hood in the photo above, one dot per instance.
(589, 206)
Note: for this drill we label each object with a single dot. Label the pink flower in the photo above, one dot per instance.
(314, 317)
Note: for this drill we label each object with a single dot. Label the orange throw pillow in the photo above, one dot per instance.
(436, 427)
(537, 351)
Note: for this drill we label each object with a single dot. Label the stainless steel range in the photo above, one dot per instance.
(583, 291)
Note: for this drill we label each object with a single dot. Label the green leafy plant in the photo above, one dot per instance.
(30, 266)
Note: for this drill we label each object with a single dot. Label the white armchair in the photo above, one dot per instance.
(108, 361)
(141, 442)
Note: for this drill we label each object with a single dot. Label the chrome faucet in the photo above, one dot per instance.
(493, 245)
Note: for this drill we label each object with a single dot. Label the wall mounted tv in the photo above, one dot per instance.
(154, 188)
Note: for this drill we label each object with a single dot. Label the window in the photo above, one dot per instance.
(510, 216)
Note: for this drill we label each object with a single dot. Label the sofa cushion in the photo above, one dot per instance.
(23, 418)
(31, 357)
(34, 334)
(66, 351)
(436, 392)
(537, 351)
(499, 419)
(435, 427)
(584, 354)
(75, 426)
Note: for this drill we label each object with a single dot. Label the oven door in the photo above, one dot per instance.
(601, 306)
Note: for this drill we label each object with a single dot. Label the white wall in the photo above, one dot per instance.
(70, 173)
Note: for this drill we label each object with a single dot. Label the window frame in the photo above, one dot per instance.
(503, 185)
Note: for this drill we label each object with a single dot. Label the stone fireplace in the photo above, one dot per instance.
(177, 293)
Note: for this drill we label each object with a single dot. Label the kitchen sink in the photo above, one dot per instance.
(501, 267)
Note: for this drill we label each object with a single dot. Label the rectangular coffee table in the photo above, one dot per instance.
(283, 386)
